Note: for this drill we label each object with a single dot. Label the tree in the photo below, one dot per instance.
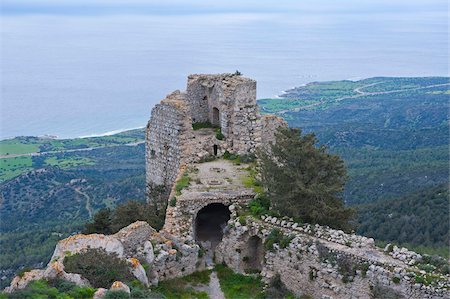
(101, 223)
(108, 221)
(304, 181)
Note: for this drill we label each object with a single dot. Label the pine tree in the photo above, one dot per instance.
(304, 181)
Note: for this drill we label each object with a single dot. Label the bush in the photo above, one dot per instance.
(276, 236)
(202, 125)
(60, 289)
(277, 289)
(173, 201)
(236, 285)
(116, 295)
(219, 134)
(111, 221)
(182, 183)
(99, 267)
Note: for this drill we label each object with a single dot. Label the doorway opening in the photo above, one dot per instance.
(215, 148)
(210, 223)
(215, 117)
(254, 254)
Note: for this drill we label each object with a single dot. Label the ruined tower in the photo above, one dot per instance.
(224, 102)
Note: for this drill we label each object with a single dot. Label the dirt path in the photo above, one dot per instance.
(88, 202)
(214, 291)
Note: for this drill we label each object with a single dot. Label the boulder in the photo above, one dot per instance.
(120, 286)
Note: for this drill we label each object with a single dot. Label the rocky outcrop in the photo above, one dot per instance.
(167, 258)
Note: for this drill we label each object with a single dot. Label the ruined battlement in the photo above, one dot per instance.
(224, 102)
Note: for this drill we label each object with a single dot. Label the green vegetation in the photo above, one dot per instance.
(304, 181)
(182, 183)
(202, 125)
(277, 289)
(219, 134)
(41, 207)
(66, 163)
(17, 146)
(12, 167)
(99, 267)
(277, 237)
(184, 287)
(395, 147)
(108, 221)
(238, 286)
(57, 289)
(409, 221)
(52, 151)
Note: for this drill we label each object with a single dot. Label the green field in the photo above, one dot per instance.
(11, 166)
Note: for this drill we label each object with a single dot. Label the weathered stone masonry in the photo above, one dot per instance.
(226, 101)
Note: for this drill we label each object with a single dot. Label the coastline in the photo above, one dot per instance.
(55, 137)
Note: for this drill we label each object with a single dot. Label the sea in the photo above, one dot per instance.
(92, 67)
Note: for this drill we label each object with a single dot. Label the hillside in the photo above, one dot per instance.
(416, 220)
(54, 197)
(391, 132)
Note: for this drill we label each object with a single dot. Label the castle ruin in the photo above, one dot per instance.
(224, 102)
(207, 218)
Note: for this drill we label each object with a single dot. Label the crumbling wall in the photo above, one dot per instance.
(168, 132)
(327, 263)
(235, 98)
(269, 126)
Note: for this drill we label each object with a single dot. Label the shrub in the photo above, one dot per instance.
(123, 215)
(116, 295)
(277, 289)
(276, 236)
(202, 125)
(219, 134)
(182, 183)
(382, 292)
(99, 267)
(236, 285)
(58, 288)
(396, 279)
(173, 201)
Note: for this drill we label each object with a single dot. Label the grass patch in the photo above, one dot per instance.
(12, 167)
(17, 147)
(238, 286)
(52, 289)
(68, 162)
(183, 287)
(182, 183)
(202, 125)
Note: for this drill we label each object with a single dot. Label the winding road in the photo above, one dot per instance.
(361, 93)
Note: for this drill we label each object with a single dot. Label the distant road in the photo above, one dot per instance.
(68, 150)
(361, 93)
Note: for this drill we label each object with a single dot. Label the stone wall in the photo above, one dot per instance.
(327, 263)
(235, 98)
(168, 132)
(227, 99)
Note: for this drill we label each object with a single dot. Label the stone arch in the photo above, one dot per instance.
(210, 223)
(215, 121)
(253, 254)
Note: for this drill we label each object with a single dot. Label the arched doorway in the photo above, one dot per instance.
(253, 254)
(210, 223)
(215, 117)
